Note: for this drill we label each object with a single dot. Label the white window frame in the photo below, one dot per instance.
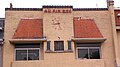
(88, 51)
(27, 53)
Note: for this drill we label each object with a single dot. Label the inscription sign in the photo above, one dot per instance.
(57, 11)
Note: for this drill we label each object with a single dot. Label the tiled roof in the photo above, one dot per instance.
(117, 20)
(86, 28)
(24, 9)
(40, 9)
(29, 29)
(90, 9)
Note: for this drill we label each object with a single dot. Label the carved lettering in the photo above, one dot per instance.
(49, 11)
(45, 11)
(57, 11)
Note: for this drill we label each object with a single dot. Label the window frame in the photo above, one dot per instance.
(70, 45)
(88, 49)
(27, 53)
(49, 46)
(55, 47)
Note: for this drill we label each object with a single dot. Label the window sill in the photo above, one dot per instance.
(26, 60)
(67, 51)
(87, 59)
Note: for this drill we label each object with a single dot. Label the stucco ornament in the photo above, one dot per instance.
(56, 23)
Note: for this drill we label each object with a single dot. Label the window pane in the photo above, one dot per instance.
(56, 46)
(83, 53)
(21, 54)
(33, 54)
(94, 53)
(69, 45)
(1, 34)
(48, 45)
(2, 23)
(59, 45)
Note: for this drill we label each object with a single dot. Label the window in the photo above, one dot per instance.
(118, 15)
(88, 52)
(27, 51)
(59, 45)
(69, 45)
(48, 45)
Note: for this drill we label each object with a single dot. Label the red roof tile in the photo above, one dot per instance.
(29, 28)
(117, 19)
(86, 28)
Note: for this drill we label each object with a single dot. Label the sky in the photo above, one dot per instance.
(38, 4)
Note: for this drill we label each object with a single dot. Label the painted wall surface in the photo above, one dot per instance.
(61, 62)
(12, 19)
(102, 19)
(58, 27)
(62, 32)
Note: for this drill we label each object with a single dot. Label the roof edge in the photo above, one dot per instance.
(27, 40)
(1, 39)
(46, 6)
(23, 9)
(31, 19)
(117, 27)
(116, 8)
(89, 9)
(2, 18)
(90, 40)
(57, 6)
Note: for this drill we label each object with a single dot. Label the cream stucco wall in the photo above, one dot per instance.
(60, 63)
(53, 33)
(12, 19)
(102, 19)
(62, 32)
